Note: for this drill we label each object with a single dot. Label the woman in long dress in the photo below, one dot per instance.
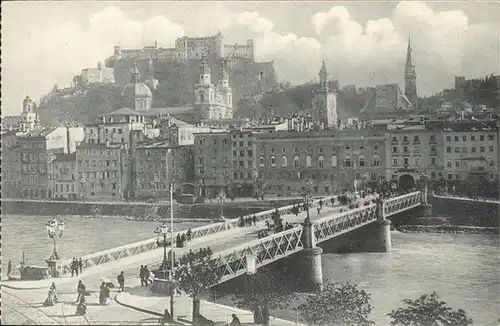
(51, 296)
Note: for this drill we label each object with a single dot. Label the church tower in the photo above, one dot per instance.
(226, 94)
(205, 92)
(324, 103)
(137, 94)
(29, 117)
(410, 79)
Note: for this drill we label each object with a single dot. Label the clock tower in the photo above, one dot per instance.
(324, 102)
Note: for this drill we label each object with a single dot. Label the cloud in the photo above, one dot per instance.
(445, 43)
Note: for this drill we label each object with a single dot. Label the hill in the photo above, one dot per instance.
(298, 99)
(175, 88)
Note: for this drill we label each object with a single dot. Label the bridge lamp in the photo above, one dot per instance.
(54, 228)
(162, 230)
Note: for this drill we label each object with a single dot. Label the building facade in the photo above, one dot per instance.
(101, 74)
(325, 161)
(64, 174)
(101, 170)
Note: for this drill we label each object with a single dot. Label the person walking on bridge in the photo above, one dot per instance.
(121, 282)
(141, 275)
(146, 275)
(80, 265)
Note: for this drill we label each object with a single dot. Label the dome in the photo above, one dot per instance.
(135, 90)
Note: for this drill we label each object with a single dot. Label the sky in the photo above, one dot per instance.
(363, 43)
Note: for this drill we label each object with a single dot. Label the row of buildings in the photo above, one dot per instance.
(138, 151)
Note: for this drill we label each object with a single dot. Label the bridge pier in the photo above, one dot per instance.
(311, 276)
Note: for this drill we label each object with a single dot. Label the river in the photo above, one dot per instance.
(463, 269)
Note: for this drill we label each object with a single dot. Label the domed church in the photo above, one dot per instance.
(137, 95)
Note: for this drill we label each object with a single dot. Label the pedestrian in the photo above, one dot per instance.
(121, 282)
(319, 209)
(101, 293)
(141, 275)
(80, 264)
(320, 203)
(189, 234)
(254, 218)
(332, 200)
(178, 240)
(72, 266)
(9, 268)
(81, 290)
(257, 316)
(183, 240)
(146, 275)
(235, 321)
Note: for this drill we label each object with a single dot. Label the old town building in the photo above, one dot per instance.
(326, 162)
(224, 161)
(64, 183)
(101, 170)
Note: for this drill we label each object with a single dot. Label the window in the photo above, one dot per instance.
(296, 161)
(472, 137)
(464, 138)
(334, 161)
(394, 161)
(249, 153)
(473, 150)
(361, 160)
(405, 139)
(394, 139)
(296, 150)
(284, 161)
(235, 153)
(457, 138)
(261, 162)
(481, 149)
(242, 144)
(448, 164)
(321, 161)
(283, 150)
(273, 150)
(491, 137)
(457, 149)
(416, 138)
(464, 149)
(202, 97)
(416, 148)
(433, 149)
(394, 149)
(347, 161)
(405, 161)
(273, 162)
(308, 161)
(242, 153)
(481, 137)
(321, 149)
(375, 147)
(405, 149)
(432, 138)
(490, 148)
(376, 160)
(457, 164)
(241, 164)
(235, 144)
(448, 138)
(492, 163)
(417, 161)
(214, 170)
(309, 149)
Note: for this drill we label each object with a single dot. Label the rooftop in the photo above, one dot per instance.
(123, 112)
(169, 110)
(65, 157)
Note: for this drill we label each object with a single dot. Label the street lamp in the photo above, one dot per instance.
(53, 226)
(308, 196)
(221, 198)
(162, 231)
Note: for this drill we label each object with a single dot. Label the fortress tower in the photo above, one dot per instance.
(410, 79)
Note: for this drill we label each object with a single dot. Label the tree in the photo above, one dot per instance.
(338, 304)
(195, 277)
(263, 292)
(428, 310)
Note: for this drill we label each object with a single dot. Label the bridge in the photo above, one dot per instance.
(236, 248)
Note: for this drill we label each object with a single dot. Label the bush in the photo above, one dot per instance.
(428, 310)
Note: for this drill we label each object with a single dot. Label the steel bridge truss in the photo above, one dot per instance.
(233, 262)
(330, 227)
(402, 203)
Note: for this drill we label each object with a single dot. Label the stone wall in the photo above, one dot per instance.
(463, 212)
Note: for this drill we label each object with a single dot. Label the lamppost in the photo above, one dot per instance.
(222, 196)
(308, 196)
(162, 232)
(53, 226)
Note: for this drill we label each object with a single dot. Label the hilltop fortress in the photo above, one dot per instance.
(187, 48)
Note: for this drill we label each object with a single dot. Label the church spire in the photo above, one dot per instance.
(323, 76)
(410, 78)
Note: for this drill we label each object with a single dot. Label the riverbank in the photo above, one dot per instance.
(447, 229)
(466, 212)
(135, 210)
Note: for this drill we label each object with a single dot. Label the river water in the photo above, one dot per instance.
(464, 269)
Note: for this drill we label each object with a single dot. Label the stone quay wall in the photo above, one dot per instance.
(468, 213)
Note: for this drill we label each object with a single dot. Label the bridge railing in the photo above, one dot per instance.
(332, 226)
(233, 261)
(140, 247)
(401, 203)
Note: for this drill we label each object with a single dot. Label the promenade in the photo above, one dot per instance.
(36, 291)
